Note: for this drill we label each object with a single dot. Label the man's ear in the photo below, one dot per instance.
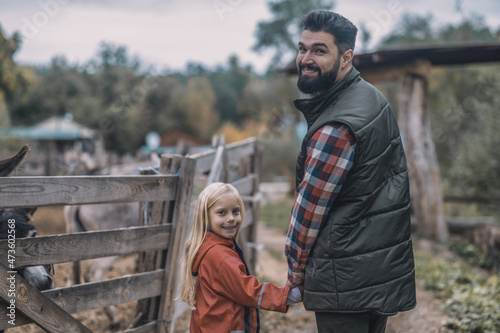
(347, 58)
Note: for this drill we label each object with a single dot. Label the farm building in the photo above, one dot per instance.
(62, 145)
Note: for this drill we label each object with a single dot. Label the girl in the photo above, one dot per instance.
(215, 280)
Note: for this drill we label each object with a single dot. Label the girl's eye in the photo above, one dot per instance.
(236, 212)
(221, 212)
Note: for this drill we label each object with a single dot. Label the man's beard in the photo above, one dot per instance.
(311, 85)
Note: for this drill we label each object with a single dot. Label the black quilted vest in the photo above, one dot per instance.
(363, 258)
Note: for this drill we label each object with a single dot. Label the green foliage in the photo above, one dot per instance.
(277, 215)
(468, 252)
(412, 30)
(229, 85)
(418, 30)
(472, 29)
(465, 125)
(471, 300)
(13, 80)
(112, 94)
(282, 32)
(475, 307)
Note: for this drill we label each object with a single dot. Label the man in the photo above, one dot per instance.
(348, 243)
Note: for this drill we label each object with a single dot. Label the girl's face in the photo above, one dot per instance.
(225, 217)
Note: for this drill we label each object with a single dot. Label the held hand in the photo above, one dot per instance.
(294, 296)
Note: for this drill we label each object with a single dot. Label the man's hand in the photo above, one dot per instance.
(301, 288)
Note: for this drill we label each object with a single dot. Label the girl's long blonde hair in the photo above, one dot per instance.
(201, 223)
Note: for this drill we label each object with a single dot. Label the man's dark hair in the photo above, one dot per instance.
(343, 30)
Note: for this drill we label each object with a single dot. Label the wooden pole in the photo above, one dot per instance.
(30, 302)
(186, 173)
(425, 184)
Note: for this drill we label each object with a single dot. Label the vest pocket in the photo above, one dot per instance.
(319, 275)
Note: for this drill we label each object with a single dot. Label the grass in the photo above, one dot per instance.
(276, 215)
(471, 298)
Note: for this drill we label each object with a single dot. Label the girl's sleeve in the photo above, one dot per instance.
(234, 283)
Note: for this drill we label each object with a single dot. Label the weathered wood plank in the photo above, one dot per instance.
(71, 190)
(235, 152)
(96, 295)
(480, 200)
(147, 328)
(160, 214)
(219, 171)
(204, 161)
(247, 186)
(31, 303)
(181, 214)
(242, 148)
(462, 224)
(87, 245)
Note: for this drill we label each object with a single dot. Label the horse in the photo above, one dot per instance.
(18, 219)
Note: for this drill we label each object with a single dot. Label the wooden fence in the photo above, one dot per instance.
(166, 199)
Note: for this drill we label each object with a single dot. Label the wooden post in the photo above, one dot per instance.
(31, 303)
(172, 264)
(425, 184)
(220, 169)
(158, 213)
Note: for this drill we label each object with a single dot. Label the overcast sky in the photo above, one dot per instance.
(168, 34)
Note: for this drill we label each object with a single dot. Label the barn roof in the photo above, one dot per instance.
(54, 128)
(437, 55)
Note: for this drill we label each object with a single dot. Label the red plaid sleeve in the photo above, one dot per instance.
(330, 155)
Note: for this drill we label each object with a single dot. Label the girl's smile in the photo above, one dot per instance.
(225, 217)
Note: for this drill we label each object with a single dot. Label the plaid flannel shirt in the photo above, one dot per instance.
(330, 155)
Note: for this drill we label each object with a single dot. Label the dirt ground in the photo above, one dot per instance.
(425, 318)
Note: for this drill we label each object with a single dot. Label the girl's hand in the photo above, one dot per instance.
(294, 296)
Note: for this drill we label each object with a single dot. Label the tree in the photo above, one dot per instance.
(13, 78)
(418, 30)
(471, 29)
(282, 32)
(196, 103)
(54, 91)
(411, 30)
(229, 84)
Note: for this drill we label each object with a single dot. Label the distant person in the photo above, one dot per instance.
(348, 244)
(215, 279)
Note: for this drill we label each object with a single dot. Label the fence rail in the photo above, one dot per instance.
(82, 190)
(166, 202)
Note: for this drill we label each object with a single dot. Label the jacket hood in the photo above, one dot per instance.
(211, 239)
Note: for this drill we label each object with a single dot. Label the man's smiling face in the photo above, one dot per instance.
(318, 62)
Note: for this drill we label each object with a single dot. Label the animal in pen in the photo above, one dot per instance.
(15, 223)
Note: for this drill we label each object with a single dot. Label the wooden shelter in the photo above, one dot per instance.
(409, 67)
(62, 145)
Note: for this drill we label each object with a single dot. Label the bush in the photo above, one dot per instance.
(468, 252)
(472, 301)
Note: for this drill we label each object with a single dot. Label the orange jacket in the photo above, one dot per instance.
(224, 290)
